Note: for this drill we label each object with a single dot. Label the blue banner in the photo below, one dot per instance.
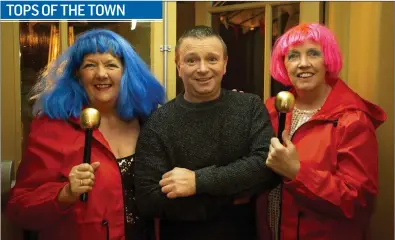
(80, 10)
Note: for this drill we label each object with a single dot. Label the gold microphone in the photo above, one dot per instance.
(89, 120)
(284, 103)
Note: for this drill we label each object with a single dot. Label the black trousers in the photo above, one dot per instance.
(233, 223)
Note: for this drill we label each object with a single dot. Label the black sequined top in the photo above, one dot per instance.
(135, 227)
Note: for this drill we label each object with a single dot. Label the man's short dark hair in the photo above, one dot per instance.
(200, 32)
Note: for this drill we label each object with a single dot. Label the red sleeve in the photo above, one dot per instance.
(32, 202)
(353, 185)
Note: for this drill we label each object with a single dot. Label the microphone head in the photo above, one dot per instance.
(284, 102)
(90, 118)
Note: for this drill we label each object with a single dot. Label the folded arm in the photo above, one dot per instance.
(249, 173)
(151, 163)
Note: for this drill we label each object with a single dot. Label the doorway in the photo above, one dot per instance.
(244, 31)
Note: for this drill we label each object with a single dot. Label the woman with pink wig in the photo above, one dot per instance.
(329, 159)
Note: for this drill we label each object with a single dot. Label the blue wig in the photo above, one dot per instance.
(60, 95)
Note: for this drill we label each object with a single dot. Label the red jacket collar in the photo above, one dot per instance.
(340, 100)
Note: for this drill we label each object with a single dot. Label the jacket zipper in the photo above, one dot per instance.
(335, 123)
(105, 223)
(298, 226)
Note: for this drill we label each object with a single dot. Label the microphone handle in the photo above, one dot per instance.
(87, 157)
(281, 126)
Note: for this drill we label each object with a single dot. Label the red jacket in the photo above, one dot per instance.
(54, 147)
(332, 195)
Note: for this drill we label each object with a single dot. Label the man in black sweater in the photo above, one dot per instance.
(200, 158)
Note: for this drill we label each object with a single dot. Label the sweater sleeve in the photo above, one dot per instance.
(151, 163)
(249, 173)
(33, 200)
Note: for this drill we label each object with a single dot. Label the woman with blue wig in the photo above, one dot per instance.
(100, 70)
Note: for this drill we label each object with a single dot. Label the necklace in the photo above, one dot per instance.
(299, 117)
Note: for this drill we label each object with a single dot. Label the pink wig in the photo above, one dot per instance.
(298, 35)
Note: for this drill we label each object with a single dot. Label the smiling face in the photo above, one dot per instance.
(201, 66)
(100, 75)
(305, 66)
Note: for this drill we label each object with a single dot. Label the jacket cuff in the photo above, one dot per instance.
(305, 175)
(59, 207)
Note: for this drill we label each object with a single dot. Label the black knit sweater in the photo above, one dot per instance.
(225, 141)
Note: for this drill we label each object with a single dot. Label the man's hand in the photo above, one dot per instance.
(179, 182)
